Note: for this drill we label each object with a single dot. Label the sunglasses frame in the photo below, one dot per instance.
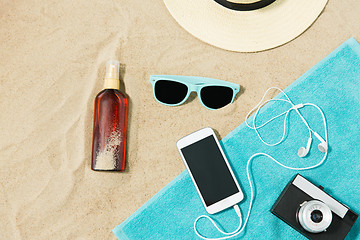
(194, 84)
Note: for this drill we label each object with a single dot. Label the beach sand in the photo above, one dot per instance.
(52, 63)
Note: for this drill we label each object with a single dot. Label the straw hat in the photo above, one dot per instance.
(245, 25)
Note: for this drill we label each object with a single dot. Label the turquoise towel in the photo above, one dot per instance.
(334, 85)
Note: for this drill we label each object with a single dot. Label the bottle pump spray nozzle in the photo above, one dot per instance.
(112, 69)
(112, 74)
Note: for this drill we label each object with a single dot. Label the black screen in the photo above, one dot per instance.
(209, 170)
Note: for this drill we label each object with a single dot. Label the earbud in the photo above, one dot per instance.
(323, 147)
(302, 152)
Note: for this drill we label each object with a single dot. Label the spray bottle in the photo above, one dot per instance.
(110, 123)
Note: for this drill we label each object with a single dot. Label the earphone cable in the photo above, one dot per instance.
(236, 207)
(261, 103)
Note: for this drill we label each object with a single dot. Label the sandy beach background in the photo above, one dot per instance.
(52, 63)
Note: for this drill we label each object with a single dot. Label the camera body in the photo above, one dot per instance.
(312, 212)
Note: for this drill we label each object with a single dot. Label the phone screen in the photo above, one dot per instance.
(209, 170)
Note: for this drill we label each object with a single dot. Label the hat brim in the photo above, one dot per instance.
(245, 31)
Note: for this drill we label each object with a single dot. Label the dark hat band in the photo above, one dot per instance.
(244, 6)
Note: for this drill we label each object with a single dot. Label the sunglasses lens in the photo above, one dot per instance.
(216, 96)
(170, 92)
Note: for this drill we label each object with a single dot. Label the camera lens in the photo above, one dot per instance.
(316, 216)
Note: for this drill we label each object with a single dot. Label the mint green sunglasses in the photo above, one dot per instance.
(173, 90)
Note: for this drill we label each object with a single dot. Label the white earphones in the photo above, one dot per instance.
(302, 152)
(322, 146)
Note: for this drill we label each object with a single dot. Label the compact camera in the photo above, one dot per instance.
(312, 212)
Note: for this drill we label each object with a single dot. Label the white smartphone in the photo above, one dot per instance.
(209, 170)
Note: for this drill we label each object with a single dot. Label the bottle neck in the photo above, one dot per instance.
(112, 83)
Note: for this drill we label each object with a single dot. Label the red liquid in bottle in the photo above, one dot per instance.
(110, 125)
